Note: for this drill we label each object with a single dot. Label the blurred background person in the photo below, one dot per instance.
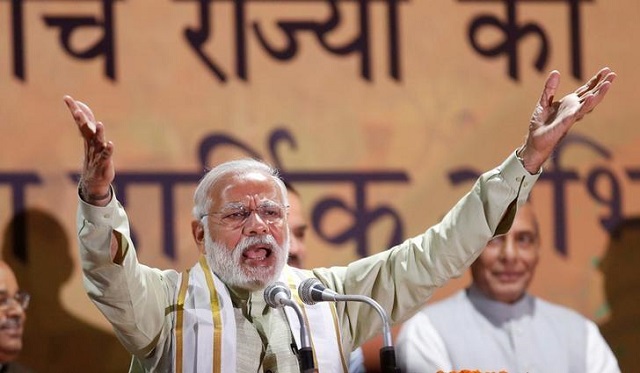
(38, 250)
(495, 325)
(13, 304)
(622, 292)
(298, 226)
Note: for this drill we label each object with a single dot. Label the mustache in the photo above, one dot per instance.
(10, 322)
(264, 240)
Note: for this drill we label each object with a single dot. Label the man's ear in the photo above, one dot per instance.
(197, 230)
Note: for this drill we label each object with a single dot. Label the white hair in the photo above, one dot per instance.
(202, 199)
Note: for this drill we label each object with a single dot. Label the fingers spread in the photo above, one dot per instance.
(594, 84)
(594, 98)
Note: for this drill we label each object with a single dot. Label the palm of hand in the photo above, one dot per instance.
(551, 120)
(550, 123)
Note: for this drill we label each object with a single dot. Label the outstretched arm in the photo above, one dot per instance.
(551, 120)
(403, 278)
(132, 297)
(98, 171)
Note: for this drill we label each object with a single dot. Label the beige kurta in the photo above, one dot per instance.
(137, 299)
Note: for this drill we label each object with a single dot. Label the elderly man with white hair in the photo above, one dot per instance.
(213, 317)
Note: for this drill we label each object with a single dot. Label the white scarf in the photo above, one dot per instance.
(205, 329)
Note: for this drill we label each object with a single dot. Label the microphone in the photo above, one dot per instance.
(278, 295)
(312, 291)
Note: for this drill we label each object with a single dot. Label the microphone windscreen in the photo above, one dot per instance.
(306, 290)
(272, 294)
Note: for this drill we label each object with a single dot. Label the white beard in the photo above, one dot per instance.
(226, 263)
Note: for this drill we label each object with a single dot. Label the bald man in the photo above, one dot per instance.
(13, 304)
(496, 325)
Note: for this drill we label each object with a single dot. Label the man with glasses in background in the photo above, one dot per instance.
(13, 304)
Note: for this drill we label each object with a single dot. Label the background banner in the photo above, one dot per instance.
(380, 112)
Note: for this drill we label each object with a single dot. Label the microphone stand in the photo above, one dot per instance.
(312, 291)
(387, 351)
(305, 352)
(278, 295)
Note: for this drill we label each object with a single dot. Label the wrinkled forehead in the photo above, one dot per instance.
(245, 188)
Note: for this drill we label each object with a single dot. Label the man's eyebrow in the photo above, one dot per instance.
(3, 292)
(269, 203)
(233, 205)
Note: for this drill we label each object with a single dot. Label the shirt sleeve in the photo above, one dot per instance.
(402, 278)
(133, 297)
(600, 358)
(420, 348)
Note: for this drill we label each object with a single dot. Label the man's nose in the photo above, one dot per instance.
(14, 310)
(254, 225)
(509, 250)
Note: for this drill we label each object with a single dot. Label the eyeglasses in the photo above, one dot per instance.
(234, 217)
(21, 298)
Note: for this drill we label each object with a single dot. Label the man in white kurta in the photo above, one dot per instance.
(495, 325)
(139, 301)
(214, 318)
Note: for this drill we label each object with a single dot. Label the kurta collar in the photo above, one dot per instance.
(498, 312)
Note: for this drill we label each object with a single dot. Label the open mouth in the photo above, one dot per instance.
(258, 252)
